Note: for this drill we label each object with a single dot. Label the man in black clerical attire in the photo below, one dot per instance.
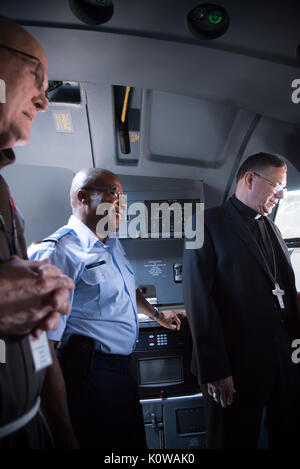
(242, 307)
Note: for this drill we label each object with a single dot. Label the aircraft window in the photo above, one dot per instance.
(295, 260)
(287, 220)
(64, 92)
(288, 214)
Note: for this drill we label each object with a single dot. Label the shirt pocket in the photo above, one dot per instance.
(89, 292)
(129, 277)
(92, 276)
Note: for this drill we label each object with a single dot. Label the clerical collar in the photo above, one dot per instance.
(244, 209)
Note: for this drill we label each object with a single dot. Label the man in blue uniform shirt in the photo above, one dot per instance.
(96, 340)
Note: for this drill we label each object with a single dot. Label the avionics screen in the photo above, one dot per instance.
(160, 371)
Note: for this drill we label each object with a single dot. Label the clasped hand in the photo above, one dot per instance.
(33, 294)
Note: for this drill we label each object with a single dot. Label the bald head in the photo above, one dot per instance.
(13, 35)
(24, 72)
(96, 188)
(91, 178)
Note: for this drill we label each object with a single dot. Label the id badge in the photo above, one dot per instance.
(40, 351)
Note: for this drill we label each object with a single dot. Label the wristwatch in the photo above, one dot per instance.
(156, 315)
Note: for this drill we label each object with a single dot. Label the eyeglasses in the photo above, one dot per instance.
(277, 187)
(116, 193)
(39, 72)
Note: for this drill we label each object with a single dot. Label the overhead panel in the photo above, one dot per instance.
(60, 137)
(187, 130)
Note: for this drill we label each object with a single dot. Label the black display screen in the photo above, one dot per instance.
(163, 371)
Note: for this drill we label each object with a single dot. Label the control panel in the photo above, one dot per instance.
(160, 339)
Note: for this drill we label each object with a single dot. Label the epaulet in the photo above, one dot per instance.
(59, 234)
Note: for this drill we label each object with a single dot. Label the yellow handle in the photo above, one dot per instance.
(123, 115)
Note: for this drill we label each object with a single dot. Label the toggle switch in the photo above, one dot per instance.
(177, 273)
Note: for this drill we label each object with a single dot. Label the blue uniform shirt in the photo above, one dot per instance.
(104, 299)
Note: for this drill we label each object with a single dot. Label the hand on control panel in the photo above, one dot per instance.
(170, 319)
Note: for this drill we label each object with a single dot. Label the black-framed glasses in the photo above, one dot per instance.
(114, 191)
(277, 187)
(39, 72)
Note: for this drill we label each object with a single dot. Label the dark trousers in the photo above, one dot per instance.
(238, 425)
(107, 414)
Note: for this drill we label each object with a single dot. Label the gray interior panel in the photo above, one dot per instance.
(57, 145)
(153, 263)
(198, 129)
(42, 196)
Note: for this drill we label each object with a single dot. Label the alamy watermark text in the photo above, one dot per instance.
(2, 92)
(2, 351)
(153, 220)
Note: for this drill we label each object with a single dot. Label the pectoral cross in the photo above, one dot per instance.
(279, 293)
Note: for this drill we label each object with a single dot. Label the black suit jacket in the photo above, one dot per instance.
(235, 319)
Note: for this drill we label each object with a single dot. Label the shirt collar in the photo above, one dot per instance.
(87, 238)
(6, 157)
(244, 210)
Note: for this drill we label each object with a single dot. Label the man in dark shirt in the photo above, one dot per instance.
(242, 306)
(32, 294)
